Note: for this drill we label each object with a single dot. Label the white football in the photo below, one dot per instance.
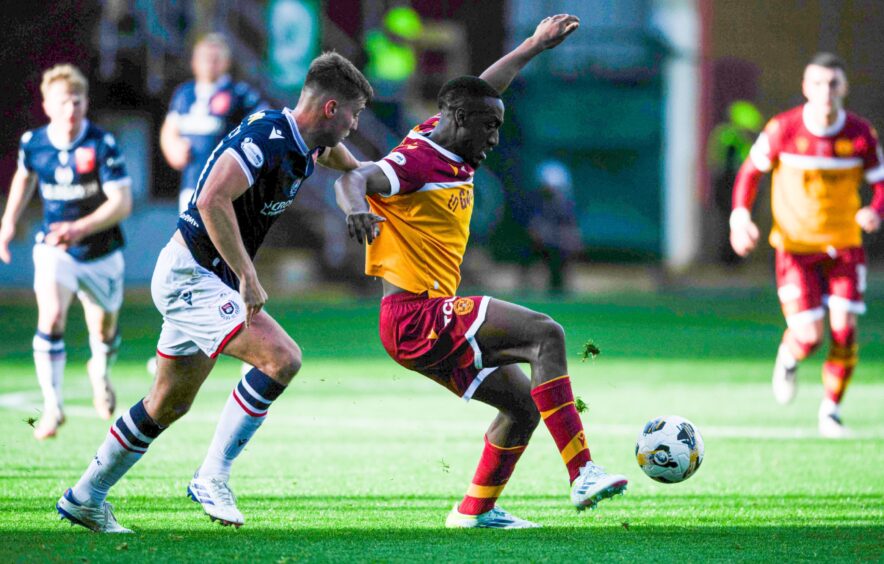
(669, 449)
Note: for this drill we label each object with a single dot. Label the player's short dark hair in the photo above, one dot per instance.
(457, 90)
(333, 73)
(827, 60)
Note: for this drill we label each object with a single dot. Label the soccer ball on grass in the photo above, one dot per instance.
(669, 449)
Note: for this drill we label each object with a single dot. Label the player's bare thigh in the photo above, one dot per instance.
(512, 333)
(99, 321)
(53, 302)
(266, 346)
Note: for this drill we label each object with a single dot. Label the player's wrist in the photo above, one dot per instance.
(739, 218)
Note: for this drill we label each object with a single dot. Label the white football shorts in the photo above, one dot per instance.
(200, 312)
(99, 281)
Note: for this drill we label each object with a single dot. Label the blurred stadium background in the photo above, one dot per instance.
(627, 107)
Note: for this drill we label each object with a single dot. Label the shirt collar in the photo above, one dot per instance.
(55, 138)
(433, 144)
(826, 131)
(297, 134)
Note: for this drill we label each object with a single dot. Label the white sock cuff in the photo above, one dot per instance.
(42, 344)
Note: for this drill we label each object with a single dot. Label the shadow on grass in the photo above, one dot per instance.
(635, 544)
(410, 529)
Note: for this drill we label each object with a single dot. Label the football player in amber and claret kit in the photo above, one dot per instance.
(421, 200)
(818, 155)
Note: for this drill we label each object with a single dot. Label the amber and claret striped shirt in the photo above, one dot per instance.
(816, 177)
(422, 242)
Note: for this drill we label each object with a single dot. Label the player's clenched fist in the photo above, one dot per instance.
(744, 233)
(868, 219)
(364, 226)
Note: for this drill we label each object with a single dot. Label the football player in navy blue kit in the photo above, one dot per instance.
(206, 287)
(80, 175)
(202, 111)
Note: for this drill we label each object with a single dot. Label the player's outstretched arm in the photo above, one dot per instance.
(21, 190)
(339, 158)
(549, 32)
(350, 192)
(225, 183)
(744, 233)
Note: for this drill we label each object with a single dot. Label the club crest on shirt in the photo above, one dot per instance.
(252, 152)
(228, 310)
(84, 159)
(843, 147)
(463, 306)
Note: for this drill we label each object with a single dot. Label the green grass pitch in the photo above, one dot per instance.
(361, 460)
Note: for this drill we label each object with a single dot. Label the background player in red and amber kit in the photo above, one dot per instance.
(818, 155)
(423, 193)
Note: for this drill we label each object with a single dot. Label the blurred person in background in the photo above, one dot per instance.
(555, 233)
(202, 111)
(86, 193)
(818, 154)
(391, 62)
(729, 145)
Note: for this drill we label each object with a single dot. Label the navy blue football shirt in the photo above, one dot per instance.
(272, 154)
(72, 180)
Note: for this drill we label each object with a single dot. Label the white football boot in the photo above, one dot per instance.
(217, 500)
(103, 397)
(495, 518)
(47, 426)
(785, 376)
(99, 519)
(594, 484)
(830, 424)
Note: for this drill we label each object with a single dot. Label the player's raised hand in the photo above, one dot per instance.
(253, 295)
(868, 219)
(744, 233)
(7, 232)
(364, 226)
(553, 30)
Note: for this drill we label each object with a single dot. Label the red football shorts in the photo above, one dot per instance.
(807, 282)
(437, 337)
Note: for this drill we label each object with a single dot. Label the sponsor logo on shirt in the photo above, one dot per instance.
(464, 199)
(397, 158)
(276, 208)
(68, 192)
(252, 152)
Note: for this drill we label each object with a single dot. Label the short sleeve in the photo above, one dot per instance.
(23, 156)
(111, 163)
(763, 151)
(873, 158)
(178, 104)
(253, 151)
(404, 168)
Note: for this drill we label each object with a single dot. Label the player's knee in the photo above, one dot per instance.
(52, 321)
(285, 364)
(550, 331)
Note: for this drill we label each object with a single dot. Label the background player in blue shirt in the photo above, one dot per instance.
(206, 287)
(203, 111)
(86, 194)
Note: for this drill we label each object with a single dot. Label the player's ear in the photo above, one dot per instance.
(460, 116)
(329, 108)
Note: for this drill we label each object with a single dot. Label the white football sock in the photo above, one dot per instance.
(49, 361)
